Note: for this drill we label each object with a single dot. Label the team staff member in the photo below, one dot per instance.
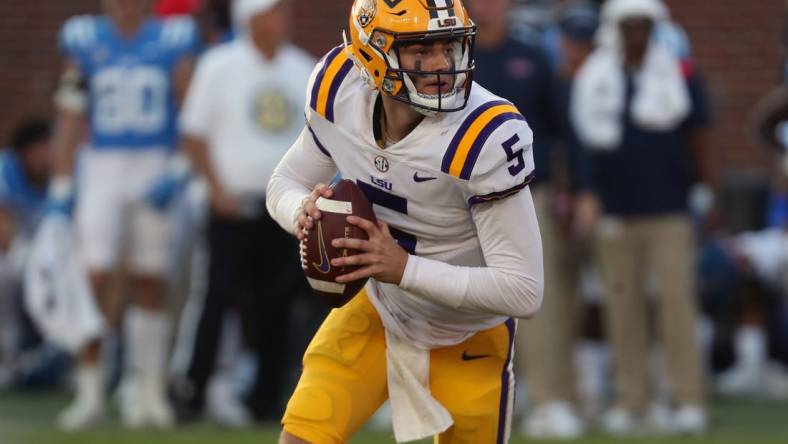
(642, 117)
(242, 112)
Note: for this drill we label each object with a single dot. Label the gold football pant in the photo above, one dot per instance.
(344, 380)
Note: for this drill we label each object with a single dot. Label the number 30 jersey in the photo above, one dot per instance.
(131, 103)
(423, 186)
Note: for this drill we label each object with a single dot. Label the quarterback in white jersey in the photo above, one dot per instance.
(456, 254)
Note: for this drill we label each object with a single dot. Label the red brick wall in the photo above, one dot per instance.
(29, 63)
(737, 45)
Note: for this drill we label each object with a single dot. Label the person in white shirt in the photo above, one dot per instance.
(241, 113)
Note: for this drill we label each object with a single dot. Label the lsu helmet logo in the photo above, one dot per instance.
(366, 12)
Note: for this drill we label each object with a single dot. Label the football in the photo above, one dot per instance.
(317, 251)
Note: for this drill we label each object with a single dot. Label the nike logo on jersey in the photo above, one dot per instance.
(467, 357)
(418, 178)
(325, 265)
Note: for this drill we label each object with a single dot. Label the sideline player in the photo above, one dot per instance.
(124, 73)
(456, 254)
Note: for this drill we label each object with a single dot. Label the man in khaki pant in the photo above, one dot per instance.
(629, 250)
(641, 114)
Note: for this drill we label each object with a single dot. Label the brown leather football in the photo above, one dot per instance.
(317, 251)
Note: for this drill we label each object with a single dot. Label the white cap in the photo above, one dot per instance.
(616, 11)
(244, 10)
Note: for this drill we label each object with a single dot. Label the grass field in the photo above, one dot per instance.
(27, 419)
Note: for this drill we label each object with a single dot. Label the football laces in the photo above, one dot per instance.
(302, 252)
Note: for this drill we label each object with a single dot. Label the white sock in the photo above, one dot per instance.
(90, 384)
(147, 346)
(750, 345)
(590, 360)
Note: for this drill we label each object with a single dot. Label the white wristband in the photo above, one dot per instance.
(701, 198)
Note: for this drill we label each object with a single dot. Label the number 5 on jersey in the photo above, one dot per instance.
(393, 202)
(514, 155)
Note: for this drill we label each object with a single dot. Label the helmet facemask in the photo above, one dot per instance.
(399, 83)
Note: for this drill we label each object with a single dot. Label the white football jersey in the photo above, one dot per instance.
(424, 185)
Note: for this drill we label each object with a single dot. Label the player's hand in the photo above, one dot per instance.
(308, 212)
(380, 257)
(167, 187)
(164, 191)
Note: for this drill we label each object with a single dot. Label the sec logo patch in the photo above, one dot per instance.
(382, 164)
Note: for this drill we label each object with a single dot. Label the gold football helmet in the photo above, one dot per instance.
(378, 28)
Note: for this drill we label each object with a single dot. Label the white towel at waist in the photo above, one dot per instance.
(415, 413)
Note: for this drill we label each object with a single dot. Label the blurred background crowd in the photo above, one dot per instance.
(661, 148)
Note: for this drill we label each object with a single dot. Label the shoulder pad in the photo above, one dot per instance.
(78, 34)
(491, 152)
(325, 81)
(469, 140)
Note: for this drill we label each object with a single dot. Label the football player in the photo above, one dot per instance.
(124, 72)
(456, 256)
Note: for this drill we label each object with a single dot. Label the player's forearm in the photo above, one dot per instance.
(181, 78)
(283, 199)
(511, 284)
(69, 133)
(197, 152)
(482, 289)
(302, 167)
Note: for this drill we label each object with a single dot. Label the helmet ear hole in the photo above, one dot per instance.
(366, 56)
(377, 73)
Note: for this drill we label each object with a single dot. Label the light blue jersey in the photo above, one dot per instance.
(132, 103)
(17, 195)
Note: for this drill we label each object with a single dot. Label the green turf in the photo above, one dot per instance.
(27, 419)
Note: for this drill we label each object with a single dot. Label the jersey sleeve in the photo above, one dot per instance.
(76, 38)
(293, 179)
(511, 283)
(491, 153)
(181, 36)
